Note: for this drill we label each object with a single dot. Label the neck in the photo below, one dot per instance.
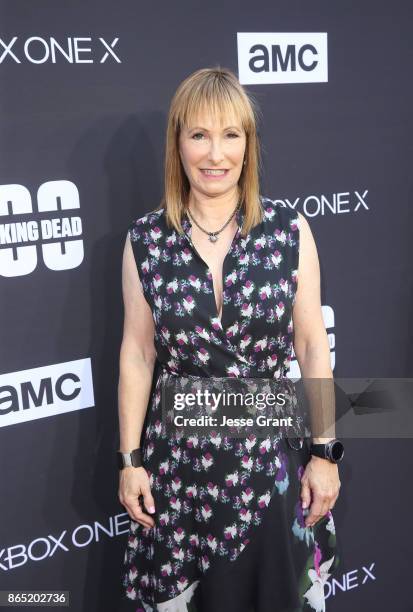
(214, 211)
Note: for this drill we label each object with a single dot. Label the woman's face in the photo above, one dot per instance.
(205, 147)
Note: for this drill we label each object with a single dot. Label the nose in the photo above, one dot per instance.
(215, 154)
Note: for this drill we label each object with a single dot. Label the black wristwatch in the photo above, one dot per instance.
(132, 459)
(333, 450)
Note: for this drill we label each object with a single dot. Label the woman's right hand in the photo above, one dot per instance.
(134, 482)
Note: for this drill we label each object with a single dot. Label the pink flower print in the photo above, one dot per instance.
(232, 330)
(192, 441)
(172, 287)
(319, 576)
(264, 500)
(230, 279)
(165, 333)
(245, 341)
(244, 259)
(176, 484)
(213, 490)
(216, 323)
(145, 266)
(191, 491)
(130, 592)
(260, 345)
(265, 446)
(212, 542)
(164, 518)
(250, 442)
(284, 285)
(202, 332)
(175, 503)
(182, 583)
(154, 251)
(186, 255)
(195, 282)
(178, 553)
(279, 310)
(133, 542)
(231, 479)
(269, 213)
(181, 338)
(206, 512)
(207, 460)
(259, 243)
(194, 539)
(164, 467)
(280, 235)
(246, 310)
(204, 562)
(188, 303)
(158, 427)
(276, 258)
(179, 535)
(170, 240)
(144, 580)
(203, 355)
(247, 288)
(176, 453)
(265, 292)
(215, 439)
(272, 361)
(133, 573)
(295, 224)
(233, 370)
(246, 462)
(155, 233)
(247, 495)
(166, 569)
(245, 515)
(230, 532)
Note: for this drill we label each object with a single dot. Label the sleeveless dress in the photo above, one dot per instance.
(229, 528)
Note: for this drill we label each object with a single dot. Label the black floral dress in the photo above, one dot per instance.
(229, 528)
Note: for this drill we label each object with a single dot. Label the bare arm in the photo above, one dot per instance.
(137, 355)
(311, 345)
(320, 483)
(136, 366)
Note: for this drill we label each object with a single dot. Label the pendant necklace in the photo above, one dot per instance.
(213, 236)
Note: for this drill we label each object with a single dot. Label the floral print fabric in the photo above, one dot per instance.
(212, 492)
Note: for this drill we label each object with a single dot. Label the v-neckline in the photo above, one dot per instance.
(235, 236)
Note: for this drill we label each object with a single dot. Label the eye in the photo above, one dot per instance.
(233, 134)
(197, 134)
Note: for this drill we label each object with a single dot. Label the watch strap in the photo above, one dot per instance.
(132, 459)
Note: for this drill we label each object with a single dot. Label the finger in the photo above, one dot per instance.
(314, 513)
(148, 499)
(305, 495)
(135, 511)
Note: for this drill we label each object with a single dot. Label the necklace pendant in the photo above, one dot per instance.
(213, 237)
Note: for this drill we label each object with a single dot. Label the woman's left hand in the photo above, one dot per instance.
(320, 486)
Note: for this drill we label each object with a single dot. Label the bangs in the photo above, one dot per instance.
(219, 99)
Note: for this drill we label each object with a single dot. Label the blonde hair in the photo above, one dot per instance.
(217, 90)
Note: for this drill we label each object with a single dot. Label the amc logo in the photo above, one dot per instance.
(25, 239)
(283, 57)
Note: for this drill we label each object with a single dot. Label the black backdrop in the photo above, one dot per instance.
(82, 139)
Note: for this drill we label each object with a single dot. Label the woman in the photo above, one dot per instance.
(210, 290)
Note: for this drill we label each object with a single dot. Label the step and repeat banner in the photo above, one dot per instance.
(85, 90)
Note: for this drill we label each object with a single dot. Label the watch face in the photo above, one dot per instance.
(337, 450)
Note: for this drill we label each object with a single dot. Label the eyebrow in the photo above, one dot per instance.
(230, 127)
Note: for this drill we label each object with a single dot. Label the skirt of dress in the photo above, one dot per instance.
(283, 568)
